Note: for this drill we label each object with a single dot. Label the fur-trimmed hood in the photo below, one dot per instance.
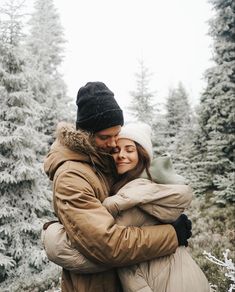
(75, 145)
(75, 140)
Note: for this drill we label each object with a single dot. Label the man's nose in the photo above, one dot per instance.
(112, 142)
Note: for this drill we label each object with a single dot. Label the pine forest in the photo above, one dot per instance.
(33, 94)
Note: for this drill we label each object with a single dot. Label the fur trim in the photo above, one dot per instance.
(76, 140)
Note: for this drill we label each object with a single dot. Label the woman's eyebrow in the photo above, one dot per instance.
(130, 146)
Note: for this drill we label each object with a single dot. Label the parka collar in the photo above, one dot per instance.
(76, 145)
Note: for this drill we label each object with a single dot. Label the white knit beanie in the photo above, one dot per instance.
(140, 133)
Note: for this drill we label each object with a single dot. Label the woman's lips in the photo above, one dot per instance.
(122, 163)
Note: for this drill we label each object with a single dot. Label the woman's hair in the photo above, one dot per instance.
(143, 164)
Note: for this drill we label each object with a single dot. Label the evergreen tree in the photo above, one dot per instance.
(159, 128)
(24, 197)
(215, 138)
(45, 44)
(178, 111)
(46, 37)
(142, 107)
(179, 125)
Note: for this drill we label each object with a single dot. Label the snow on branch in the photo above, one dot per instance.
(227, 264)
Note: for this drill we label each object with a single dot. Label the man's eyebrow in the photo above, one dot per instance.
(103, 135)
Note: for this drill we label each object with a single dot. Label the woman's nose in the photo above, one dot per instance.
(122, 154)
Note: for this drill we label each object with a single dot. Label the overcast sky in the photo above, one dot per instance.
(105, 39)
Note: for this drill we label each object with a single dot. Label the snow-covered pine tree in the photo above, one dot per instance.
(45, 43)
(215, 139)
(142, 107)
(159, 127)
(179, 124)
(23, 195)
(178, 110)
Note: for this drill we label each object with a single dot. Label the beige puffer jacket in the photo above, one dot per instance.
(81, 181)
(136, 205)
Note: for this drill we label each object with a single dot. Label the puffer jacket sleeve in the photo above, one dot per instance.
(59, 251)
(168, 209)
(92, 229)
(164, 202)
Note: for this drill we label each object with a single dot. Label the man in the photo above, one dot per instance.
(82, 171)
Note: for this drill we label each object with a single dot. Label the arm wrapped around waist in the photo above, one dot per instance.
(60, 251)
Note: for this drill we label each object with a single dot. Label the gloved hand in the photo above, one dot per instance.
(183, 227)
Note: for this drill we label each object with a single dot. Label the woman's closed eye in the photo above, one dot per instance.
(130, 149)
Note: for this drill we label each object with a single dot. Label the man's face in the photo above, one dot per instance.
(107, 138)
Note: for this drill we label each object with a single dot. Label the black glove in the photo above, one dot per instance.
(183, 227)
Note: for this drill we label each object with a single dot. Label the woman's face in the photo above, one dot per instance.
(125, 155)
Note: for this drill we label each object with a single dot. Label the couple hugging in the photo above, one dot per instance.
(120, 223)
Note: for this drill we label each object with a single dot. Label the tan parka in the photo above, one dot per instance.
(81, 181)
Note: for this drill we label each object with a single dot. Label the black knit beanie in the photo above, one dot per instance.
(97, 108)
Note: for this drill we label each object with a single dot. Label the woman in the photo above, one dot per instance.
(138, 201)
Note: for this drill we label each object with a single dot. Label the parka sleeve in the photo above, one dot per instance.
(164, 202)
(92, 229)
